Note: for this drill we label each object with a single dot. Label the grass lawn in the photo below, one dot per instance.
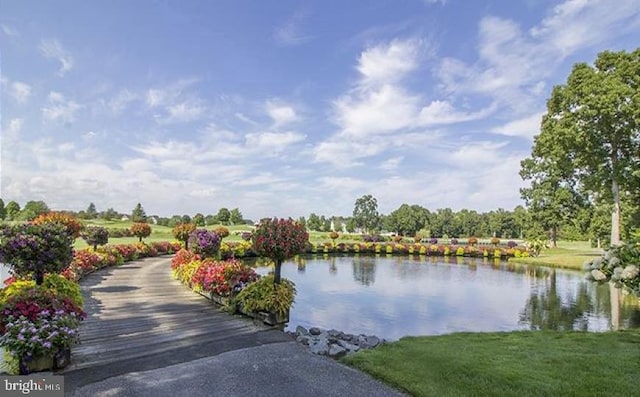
(568, 254)
(540, 363)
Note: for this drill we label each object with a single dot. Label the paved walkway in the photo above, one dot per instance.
(148, 335)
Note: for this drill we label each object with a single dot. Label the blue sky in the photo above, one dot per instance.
(283, 108)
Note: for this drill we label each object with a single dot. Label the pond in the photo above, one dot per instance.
(393, 297)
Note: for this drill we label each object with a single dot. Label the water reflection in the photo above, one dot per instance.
(364, 270)
(397, 296)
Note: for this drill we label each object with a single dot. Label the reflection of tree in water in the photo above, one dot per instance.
(364, 270)
(333, 269)
(546, 310)
(302, 264)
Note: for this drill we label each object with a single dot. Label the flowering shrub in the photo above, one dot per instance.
(222, 231)
(166, 247)
(472, 241)
(37, 321)
(222, 278)
(246, 236)
(265, 295)
(183, 257)
(33, 250)
(278, 240)
(204, 242)
(454, 241)
(235, 249)
(495, 240)
(95, 236)
(372, 238)
(511, 244)
(141, 230)
(116, 232)
(182, 231)
(69, 222)
(620, 265)
(433, 240)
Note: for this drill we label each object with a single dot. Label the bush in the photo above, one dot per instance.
(222, 278)
(222, 231)
(69, 222)
(472, 241)
(204, 243)
(495, 240)
(621, 265)
(246, 236)
(454, 241)
(95, 236)
(265, 295)
(511, 244)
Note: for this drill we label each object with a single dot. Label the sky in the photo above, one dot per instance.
(284, 108)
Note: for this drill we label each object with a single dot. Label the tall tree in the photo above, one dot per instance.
(91, 212)
(198, 219)
(138, 214)
(593, 122)
(3, 212)
(32, 209)
(224, 215)
(365, 213)
(235, 216)
(12, 210)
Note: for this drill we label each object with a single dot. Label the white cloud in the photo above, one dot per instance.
(391, 164)
(281, 114)
(51, 48)
(383, 110)
(176, 103)
(59, 109)
(272, 141)
(184, 111)
(525, 127)
(442, 112)
(121, 100)
(389, 62)
(19, 91)
(290, 32)
(12, 132)
(8, 30)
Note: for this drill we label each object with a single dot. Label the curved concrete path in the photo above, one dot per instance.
(148, 335)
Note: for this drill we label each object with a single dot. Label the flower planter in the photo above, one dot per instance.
(269, 318)
(220, 300)
(59, 360)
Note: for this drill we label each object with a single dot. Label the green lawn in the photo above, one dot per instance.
(568, 254)
(540, 363)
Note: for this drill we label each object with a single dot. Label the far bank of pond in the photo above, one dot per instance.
(395, 296)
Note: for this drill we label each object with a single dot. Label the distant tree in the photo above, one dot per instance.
(3, 211)
(224, 215)
(186, 219)
(351, 225)
(365, 213)
(12, 210)
(407, 219)
(235, 217)
(32, 209)
(314, 222)
(141, 230)
(211, 220)
(91, 212)
(198, 219)
(302, 221)
(109, 214)
(69, 222)
(138, 214)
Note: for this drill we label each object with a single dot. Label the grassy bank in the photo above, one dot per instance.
(568, 255)
(542, 363)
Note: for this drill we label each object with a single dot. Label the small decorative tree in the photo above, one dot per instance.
(333, 236)
(33, 250)
(279, 240)
(205, 243)
(95, 236)
(141, 230)
(69, 222)
(182, 231)
(472, 241)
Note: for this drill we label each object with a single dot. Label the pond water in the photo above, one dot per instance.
(393, 297)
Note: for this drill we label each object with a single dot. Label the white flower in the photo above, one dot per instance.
(598, 275)
(630, 272)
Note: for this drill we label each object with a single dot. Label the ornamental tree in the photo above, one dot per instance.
(33, 250)
(279, 240)
(95, 236)
(140, 230)
(69, 222)
(182, 231)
